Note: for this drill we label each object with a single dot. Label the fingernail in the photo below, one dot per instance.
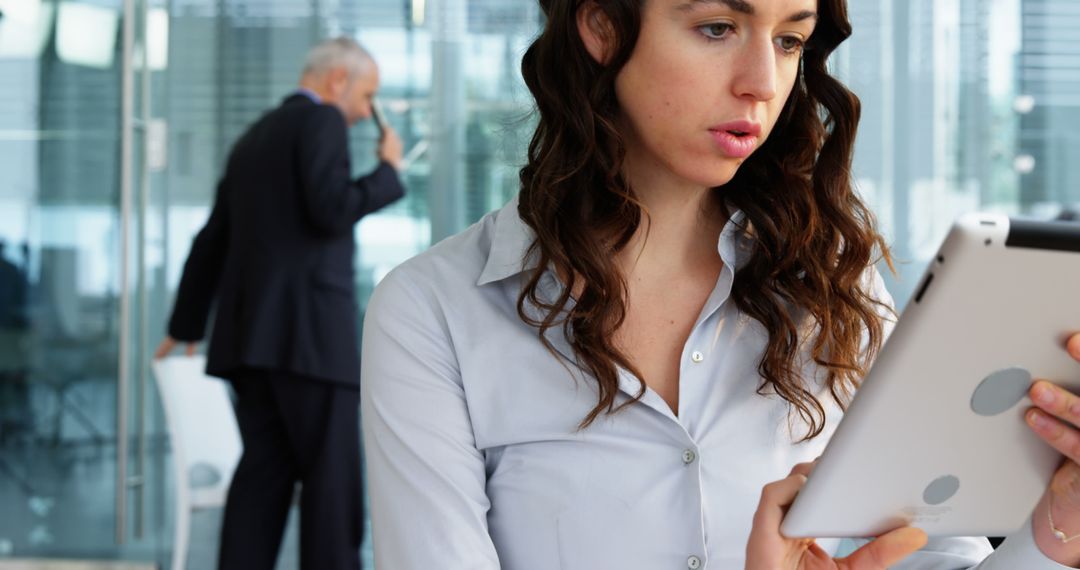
(1038, 420)
(1044, 394)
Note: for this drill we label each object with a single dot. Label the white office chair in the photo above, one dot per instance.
(205, 440)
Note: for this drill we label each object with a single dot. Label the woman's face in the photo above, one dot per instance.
(706, 82)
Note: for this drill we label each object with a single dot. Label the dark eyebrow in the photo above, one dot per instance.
(743, 7)
(804, 15)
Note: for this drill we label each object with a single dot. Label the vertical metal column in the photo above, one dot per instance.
(446, 194)
(143, 346)
(127, 106)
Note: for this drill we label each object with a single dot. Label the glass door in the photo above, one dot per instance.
(77, 479)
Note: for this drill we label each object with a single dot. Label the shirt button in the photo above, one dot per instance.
(696, 356)
(688, 456)
(693, 563)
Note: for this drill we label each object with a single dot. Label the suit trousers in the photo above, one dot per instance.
(295, 430)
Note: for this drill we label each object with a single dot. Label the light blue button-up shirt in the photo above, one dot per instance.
(474, 456)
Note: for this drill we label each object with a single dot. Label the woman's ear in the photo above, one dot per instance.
(596, 31)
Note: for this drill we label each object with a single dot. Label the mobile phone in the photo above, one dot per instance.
(380, 117)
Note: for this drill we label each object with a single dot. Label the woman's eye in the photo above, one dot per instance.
(789, 44)
(715, 31)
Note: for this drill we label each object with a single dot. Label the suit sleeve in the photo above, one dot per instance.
(202, 272)
(332, 200)
(430, 507)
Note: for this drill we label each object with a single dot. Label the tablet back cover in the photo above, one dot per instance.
(935, 436)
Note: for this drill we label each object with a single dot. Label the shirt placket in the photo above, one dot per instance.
(695, 370)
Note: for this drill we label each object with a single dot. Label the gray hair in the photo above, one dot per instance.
(338, 52)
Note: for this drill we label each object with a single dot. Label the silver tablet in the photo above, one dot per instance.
(935, 437)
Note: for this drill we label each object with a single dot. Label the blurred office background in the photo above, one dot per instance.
(116, 115)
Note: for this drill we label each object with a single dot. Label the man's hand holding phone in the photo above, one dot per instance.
(390, 146)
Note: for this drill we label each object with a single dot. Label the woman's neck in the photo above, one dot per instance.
(680, 226)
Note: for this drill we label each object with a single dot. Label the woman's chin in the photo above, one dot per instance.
(713, 171)
(716, 176)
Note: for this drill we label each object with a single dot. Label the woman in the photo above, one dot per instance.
(673, 312)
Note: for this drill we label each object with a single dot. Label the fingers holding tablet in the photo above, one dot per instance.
(1055, 417)
(1073, 346)
(776, 497)
(885, 550)
(768, 549)
(803, 469)
(1057, 410)
(1056, 414)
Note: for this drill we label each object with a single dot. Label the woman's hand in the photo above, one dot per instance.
(1055, 418)
(767, 549)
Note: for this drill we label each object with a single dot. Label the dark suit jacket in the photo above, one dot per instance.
(277, 251)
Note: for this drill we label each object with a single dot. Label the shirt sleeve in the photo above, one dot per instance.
(1018, 551)
(426, 476)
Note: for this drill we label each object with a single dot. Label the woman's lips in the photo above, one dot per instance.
(734, 145)
(738, 138)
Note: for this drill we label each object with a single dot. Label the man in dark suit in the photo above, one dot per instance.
(277, 255)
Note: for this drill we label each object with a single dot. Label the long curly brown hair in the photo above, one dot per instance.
(813, 236)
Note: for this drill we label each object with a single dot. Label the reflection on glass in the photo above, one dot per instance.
(86, 34)
(24, 27)
(59, 285)
(967, 105)
(418, 12)
(157, 38)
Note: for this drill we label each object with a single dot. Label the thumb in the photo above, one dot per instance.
(886, 550)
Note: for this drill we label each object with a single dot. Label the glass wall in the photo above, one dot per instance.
(450, 85)
(81, 451)
(967, 104)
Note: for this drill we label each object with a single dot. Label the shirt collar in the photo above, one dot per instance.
(309, 94)
(510, 243)
(509, 252)
(735, 244)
